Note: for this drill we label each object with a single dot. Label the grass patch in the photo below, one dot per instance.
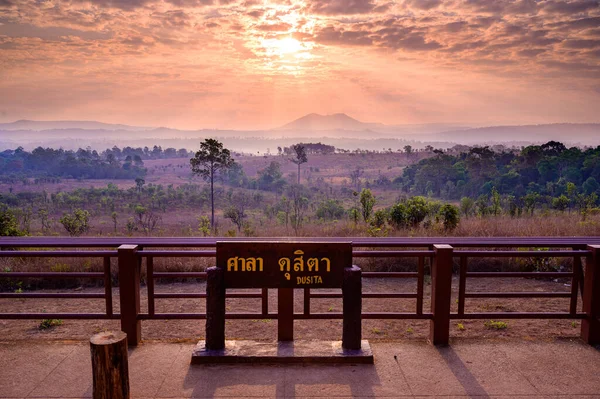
(496, 325)
(49, 323)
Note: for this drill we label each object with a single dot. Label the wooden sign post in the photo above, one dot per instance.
(284, 266)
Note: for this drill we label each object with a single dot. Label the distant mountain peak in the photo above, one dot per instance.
(338, 121)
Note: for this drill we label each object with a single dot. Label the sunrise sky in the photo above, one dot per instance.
(259, 64)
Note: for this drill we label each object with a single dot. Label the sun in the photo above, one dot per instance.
(282, 47)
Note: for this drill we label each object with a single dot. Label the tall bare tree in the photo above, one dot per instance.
(207, 162)
(299, 157)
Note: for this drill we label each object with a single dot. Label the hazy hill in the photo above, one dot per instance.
(339, 130)
(584, 133)
(50, 125)
(329, 122)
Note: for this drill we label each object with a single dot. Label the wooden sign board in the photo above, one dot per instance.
(283, 264)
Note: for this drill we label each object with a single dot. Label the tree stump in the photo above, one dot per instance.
(110, 365)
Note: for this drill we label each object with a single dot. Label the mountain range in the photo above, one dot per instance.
(338, 129)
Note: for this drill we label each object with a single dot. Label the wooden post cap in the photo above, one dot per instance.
(108, 338)
(110, 368)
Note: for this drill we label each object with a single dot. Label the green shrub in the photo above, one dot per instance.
(76, 223)
(398, 215)
(8, 223)
(330, 209)
(448, 215)
(417, 210)
(380, 217)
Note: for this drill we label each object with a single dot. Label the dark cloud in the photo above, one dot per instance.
(504, 7)
(571, 7)
(532, 52)
(582, 44)
(255, 13)
(577, 24)
(423, 4)
(173, 18)
(49, 33)
(465, 46)
(5, 3)
(191, 3)
(484, 22)
(331, 35)
(129, 5)
(454, 27)
(121, 4)
(411, 42)
(486, 6)
(341, 7)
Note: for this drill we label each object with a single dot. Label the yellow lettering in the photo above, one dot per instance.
(284, 264)
(251, 264)
(328, 263)
(308, 280)
(232, 264)
(299, 261)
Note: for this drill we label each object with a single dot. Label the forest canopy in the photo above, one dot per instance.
(544, 169)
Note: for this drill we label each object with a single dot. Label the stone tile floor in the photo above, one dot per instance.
(472, 369)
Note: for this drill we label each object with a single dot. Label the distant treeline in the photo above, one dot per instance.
(550, 170)
(309, 148)
(113, 163)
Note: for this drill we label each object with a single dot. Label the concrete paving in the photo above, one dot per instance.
(465, 369)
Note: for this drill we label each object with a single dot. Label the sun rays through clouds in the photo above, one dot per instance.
(251, 64)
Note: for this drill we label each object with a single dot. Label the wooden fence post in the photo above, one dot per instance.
(441, 292)
(110, 367)
(590, 325)
(352, 308)
(285, 314)
(215, 308)
(129, 292)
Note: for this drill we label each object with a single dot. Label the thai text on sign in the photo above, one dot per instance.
(283, 264)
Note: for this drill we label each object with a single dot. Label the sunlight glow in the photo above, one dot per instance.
(282, 47)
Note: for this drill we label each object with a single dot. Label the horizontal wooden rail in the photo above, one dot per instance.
(520, 254)
(57, 254)
(520, 274)
(38, 295)
(202, 316)
(203, 295)
(200, 275)
(18, 275)
(179, 254)
(390, 275)
(74, 316)
(517, 295)
(390, 254)
(357, 242)
(368, 295)
(517, 315)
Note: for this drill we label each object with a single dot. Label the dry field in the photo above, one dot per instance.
(333, 168)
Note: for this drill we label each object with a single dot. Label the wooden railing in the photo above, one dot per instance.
(438, 253)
